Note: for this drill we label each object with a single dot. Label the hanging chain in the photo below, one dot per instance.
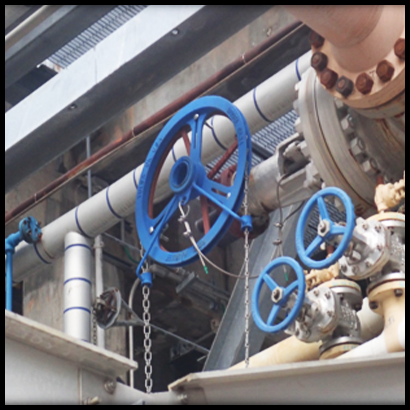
(146, 317)
(147, 338)
(246, 265)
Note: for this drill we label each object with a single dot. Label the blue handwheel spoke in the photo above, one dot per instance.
(217, 199)
(314, 245)
(166, 213)
(324, 214)
(338, 230)
(273, 315)
(196, 138)
(270, 282)
(289, 290)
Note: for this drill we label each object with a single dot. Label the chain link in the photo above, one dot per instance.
(146, 317)
(247, 273)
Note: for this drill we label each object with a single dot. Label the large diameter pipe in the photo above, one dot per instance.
(77, 287)
(292, 350)
(361, 36)
(107, 208)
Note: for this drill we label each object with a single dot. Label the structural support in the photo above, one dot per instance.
(73, 108)
(228, 346)
(77, 287)
(44, 33)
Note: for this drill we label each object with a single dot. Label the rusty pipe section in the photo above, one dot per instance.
(359, 54)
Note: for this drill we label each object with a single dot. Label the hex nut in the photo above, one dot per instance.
(385, 71)
(398, 293)
(400, 48)
(345, 86)
(319, 61)
(373, 305)
(328, 78)
(364, 83)
(316, 40)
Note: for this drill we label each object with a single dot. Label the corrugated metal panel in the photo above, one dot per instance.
(95, 34)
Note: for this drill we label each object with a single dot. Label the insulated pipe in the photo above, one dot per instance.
(292, 350)
(99, 283)
(107, 208)
(77, 287)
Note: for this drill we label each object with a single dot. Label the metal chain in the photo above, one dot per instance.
(147, 338)
(247, 273)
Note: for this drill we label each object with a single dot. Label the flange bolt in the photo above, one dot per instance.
(400, 48)
(316, 40)
(364, 83)
(328, 78)
(319, 61)
(373, 305)
(345, 86)
(398, 293)
(385, 71)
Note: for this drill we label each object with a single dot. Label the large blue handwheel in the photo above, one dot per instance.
(188, 179)
(327, 229)
(280, 296)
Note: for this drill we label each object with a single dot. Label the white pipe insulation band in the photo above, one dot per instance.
(77, 287)
(270, 101)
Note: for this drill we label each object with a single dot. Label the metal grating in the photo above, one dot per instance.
(268, 138)
(95, 34)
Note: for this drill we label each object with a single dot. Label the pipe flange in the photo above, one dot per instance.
(336, 347)
(348, 290)
(391, 277)
(373, 87)
(374, 255)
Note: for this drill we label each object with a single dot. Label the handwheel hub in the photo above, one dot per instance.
(182, 175)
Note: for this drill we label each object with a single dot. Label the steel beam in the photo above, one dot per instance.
(376, 381)
(228, 347)
(60, 26)
(140, 56)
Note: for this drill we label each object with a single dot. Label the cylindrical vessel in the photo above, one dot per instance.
(77, 287)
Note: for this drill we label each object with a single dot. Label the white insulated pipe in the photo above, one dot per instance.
(99, 282)
(268, 102)
(77, 287)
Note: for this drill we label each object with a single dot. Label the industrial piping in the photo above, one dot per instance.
(154, 120)
(77, 287)
(104, 210)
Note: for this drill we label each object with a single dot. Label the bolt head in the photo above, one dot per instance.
(385, 71)
(364, 83)
(316, 40)
(319, 61)
(345, 86)
(373, 305)
(398, 293)
(343, 268)
(369, 264)
(328, 78)
(400, 48)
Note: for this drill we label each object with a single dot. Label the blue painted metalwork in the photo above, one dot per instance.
(334, 228)
(30, 232)
(299, 285)
(188, 180)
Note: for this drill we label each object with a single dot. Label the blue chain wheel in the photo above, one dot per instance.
(188, 179)
(280, 301)
(327, 229)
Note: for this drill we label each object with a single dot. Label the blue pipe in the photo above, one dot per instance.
(10, 245)
(9, 281)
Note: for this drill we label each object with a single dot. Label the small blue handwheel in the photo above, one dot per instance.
(327, 229)
(189, 179)
(280, 296)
